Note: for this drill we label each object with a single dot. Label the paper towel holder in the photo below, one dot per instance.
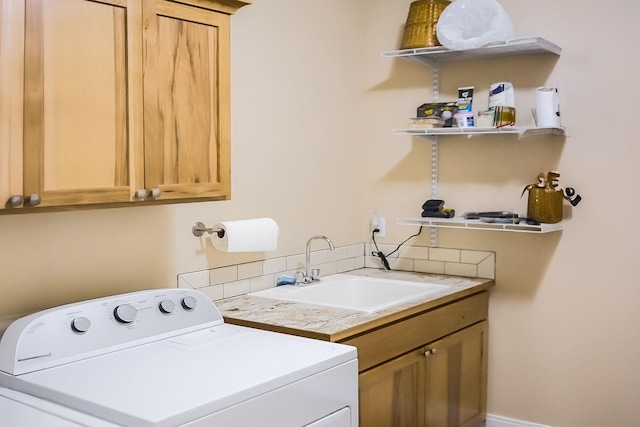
(199, 229)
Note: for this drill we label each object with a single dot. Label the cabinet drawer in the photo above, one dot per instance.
(389, 341)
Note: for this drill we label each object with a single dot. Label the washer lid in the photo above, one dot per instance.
(182, 378)
(19, 409)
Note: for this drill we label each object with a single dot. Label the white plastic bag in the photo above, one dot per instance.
(469, 24)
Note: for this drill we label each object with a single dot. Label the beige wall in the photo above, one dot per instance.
(313, 105)
(564, 314)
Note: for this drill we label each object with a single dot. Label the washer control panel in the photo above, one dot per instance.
(85, 329)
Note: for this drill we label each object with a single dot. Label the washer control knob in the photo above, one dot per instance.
(80, 324)
(189, 303)
(125, 313)
(166, 306)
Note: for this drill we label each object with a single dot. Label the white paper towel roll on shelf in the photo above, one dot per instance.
(249, 235)
(547, 108)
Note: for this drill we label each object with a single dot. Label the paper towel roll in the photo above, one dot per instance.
(547, 108)
(249, 235)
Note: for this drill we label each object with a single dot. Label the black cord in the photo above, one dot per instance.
(381, 255)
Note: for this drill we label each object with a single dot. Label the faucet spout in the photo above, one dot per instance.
(308, 277)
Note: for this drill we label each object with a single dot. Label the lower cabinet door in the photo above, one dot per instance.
(390, 394)
(456, 378)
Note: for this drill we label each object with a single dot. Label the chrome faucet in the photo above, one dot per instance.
(312, 275)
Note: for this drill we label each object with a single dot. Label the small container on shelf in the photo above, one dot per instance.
(426, 122)
(420, 28)
(485, 119)
(464, 119)
(504, 116)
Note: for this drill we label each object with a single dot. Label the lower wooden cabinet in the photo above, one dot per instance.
(440, 382)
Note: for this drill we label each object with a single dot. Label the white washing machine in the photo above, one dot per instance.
(166, 358)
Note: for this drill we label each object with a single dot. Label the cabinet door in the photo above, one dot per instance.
(76, 116)
(391, 394)
(186, 101)
(456, 378)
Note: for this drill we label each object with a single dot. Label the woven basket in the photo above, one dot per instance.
(420, 28)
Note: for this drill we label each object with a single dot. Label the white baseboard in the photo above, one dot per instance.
(498, 421)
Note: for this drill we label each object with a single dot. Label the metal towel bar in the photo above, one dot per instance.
(199, 229)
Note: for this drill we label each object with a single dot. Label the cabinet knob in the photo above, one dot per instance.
(34, 200)
(429, 352)
(143, 193)
(15, 201)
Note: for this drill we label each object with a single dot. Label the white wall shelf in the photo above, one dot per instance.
(474, 224)
(521, 131)
(434, 55)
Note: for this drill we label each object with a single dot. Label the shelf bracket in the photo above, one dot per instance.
(436, 82)
(434, 152)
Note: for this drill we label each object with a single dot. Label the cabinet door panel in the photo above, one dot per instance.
(390, 394)
(76, 149)
(456, 378)
(186, 101)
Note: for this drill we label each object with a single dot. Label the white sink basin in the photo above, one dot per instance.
(353, 292)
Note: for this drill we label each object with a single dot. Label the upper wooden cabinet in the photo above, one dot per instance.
(110, 102)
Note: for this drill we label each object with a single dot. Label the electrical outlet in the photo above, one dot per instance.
(380, 223)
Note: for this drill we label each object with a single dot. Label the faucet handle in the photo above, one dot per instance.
(299, 277)
(315, 274)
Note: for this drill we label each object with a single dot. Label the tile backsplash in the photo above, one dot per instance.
(234, 280)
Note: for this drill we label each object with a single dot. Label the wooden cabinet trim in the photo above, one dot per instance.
(224, 6)
(11, 98)
(33, 99)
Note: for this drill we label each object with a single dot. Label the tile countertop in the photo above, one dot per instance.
(336, 324)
